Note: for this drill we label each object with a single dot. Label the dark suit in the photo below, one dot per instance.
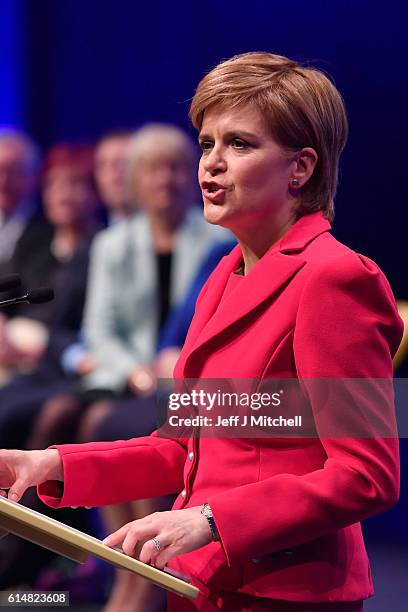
(33, 261)
(22, 398)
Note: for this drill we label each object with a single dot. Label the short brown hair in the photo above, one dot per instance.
(301, 105)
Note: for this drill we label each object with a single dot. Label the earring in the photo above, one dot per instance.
(295, 182)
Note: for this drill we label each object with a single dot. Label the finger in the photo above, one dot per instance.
(127, 537)
(18, 489)
(3, 493)
(136, 535)
(129, 543)
(117, 536)
(149, 550)
(133, 532)
(166, 554)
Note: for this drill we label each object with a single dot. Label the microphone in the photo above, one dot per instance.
(10, 281)
(40, 295)
(35, 296)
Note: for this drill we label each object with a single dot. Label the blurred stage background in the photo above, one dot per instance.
(73, 70)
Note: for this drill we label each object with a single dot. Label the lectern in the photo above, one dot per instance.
(76, 545)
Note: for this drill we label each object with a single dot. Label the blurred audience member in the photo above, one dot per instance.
(110, 163)
(110, 174)
(19, 166)
(24, 234)
(70, 205)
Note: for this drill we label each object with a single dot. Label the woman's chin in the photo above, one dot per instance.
(215, 214)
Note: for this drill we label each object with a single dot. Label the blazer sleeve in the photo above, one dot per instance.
(104, 473)
(347, 327)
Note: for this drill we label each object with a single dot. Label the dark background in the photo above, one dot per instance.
(72, 69)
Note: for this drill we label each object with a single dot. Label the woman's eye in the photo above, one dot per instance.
(206, 145)
(238, 143)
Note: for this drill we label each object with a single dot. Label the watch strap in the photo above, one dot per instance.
(207, 512)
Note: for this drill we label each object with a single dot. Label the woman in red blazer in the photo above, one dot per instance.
(263, 523)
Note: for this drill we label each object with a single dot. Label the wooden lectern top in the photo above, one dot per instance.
(76, 545)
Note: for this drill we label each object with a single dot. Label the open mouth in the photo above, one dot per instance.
(214, 192)
(212, 187)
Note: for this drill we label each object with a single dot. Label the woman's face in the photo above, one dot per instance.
(68, 196)
(163, 181)
(243, 173)
(110, 171)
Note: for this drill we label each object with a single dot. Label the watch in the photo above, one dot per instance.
(207, 512)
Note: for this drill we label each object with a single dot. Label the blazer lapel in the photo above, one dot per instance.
(210, 301)
(266, 279)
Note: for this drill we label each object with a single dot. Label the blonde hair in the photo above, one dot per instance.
(157, 136)
(154, 137)
(300, 104)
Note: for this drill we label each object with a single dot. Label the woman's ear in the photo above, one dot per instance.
(304, 164)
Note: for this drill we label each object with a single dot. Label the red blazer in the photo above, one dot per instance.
(287, 511)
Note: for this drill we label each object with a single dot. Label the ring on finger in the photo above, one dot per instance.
(157, 543)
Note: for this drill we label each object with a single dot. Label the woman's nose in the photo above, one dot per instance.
(214, 162)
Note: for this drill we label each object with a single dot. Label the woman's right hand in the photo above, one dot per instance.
(22, 469)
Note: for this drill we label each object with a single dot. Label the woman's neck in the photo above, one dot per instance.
(66, 240)
(256, 242)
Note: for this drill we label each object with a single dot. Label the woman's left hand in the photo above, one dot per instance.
(176, 532)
